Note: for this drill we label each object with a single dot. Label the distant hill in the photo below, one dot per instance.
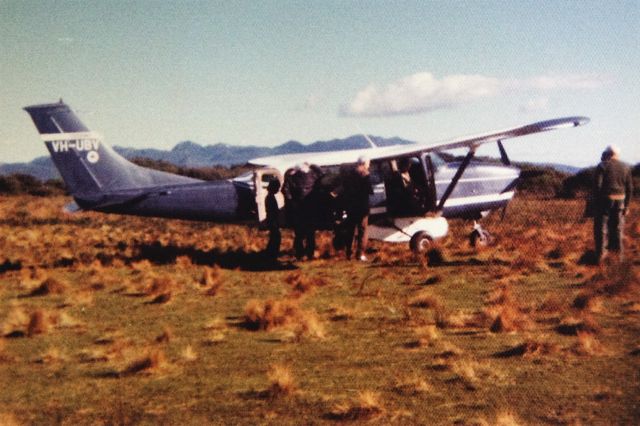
(189, 154)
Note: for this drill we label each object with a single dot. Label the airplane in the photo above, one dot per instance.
(100, 179)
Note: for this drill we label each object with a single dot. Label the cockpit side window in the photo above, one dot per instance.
(378, 171)
(437, 160)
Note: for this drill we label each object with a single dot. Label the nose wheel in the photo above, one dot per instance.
(420, 242)
(480, 237)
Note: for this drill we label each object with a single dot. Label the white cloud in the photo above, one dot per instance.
(422, 92)
(419, 93)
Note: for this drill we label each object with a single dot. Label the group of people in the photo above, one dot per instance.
(303, 209)
(610, 200)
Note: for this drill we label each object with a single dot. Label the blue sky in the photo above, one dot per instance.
(152, 73)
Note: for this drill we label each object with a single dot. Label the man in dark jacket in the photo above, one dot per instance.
(298, 193)
(611, 194)
(357, 188)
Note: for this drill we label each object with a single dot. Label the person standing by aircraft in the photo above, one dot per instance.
(273, 221)
(403, 194)
(357, 188)
(298, 193)
(611, 194)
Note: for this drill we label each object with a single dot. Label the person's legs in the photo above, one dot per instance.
(350, 228)
(615, 228)
(310, 237)
(599, 234)
(361, 242)
(273, 247)
(298, 239)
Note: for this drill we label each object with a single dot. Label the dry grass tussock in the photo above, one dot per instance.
(530, 348)
(82, 297)
(19, 323)
(216, 331)
(160, 289)
(111, 346)
(447, 353)
(504, 312)
(184, 262)
(588, 302)
(365, 407)
(282, 382)
(39, 323)
(189, 354)
(507, 419)
(211, 280)
(473, 373)
(552, 304)
(153, 361)
(425, 299)
(587, 345)
(302, 284)
(49, 286)
(142, 266)
(340, 313)
(282, 314)
(426, 335)
(15, 323)
(584, 323)
(413, 385)
(52, 356)
(31, 278)
(165, 337)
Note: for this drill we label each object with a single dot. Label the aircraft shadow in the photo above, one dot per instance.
(238, 259)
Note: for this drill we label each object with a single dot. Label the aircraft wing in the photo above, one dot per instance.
(284, 162)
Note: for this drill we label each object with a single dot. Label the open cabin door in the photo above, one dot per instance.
(261, 179)
(430, 190)
(410, 189)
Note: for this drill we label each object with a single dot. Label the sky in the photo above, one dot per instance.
(150, 74)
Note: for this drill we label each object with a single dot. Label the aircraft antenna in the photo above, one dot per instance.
(372, 144)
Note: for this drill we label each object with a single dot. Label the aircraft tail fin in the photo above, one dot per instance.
(86, 163)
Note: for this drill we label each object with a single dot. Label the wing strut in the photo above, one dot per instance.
(503, 154)
(456, 178)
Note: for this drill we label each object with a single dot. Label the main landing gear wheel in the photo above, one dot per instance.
(420, 242)
(480, 238)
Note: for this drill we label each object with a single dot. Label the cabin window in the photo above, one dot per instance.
(437, 160)
(379, 171)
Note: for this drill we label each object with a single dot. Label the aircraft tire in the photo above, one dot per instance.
(480, 238)
(420, 242)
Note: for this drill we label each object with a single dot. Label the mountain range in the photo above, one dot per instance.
(193, 155)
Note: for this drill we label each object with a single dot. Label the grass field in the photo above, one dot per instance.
(120, 320)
